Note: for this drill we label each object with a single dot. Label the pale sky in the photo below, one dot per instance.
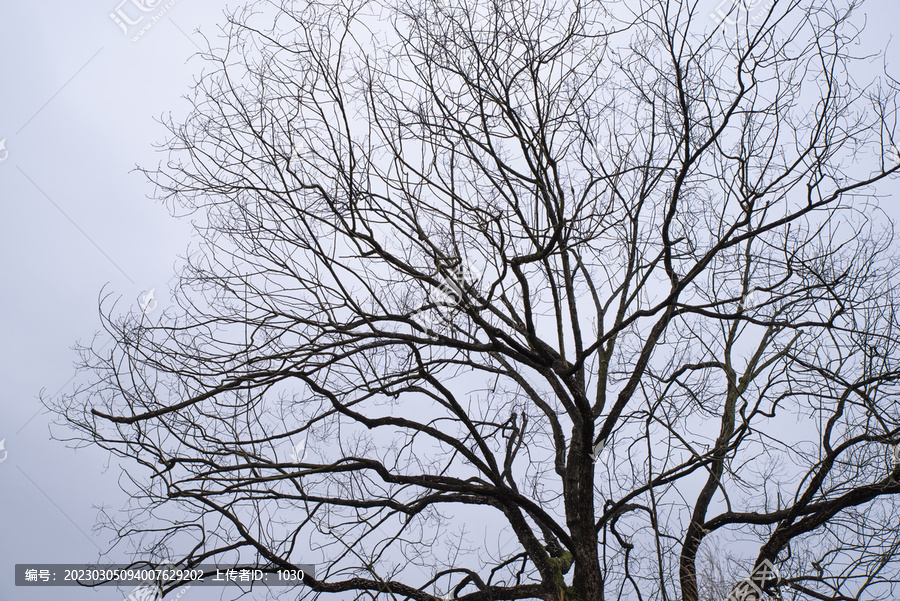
(77, 112)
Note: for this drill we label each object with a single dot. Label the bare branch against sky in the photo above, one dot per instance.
(495, 300)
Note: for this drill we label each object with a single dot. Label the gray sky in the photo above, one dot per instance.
(77, 112)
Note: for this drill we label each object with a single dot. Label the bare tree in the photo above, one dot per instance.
(520, 300)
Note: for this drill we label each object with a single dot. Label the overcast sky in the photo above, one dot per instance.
(77, 112)
(78, 100)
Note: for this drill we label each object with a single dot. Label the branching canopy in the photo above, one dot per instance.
(552, 296)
